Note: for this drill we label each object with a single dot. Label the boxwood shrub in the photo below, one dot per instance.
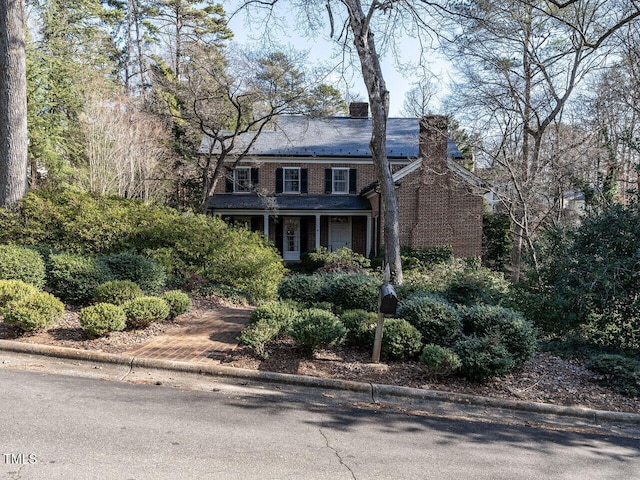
(11, 290)
(436, 319)
(178, 301)
(400, 340)
(314, 329)
(439, 361)
(147, 273)
(483, 358)
(352, 291)
(74, 278)
(618, 372)
(117, 292)
(141, 311)
(101, 319)
(361, 327)
(301, 288)
(20, 263)
(257, 335)
(278, 314)
(33, 312)
(507, 326)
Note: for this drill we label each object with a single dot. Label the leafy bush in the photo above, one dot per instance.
(185, 244)
(33, 312)
(618, 329)
(475, 284)
(504, 325)
(343, 260)
(315, 328)
(425, 257)
(400, 339)
(301, 288)
(117, 292)
(98, 320)
(141, 311)
(257, 335)
(439, 361)
(434, 317)
(19, 263)
(278, 314)
(178, 301)
(148, 274)
(74, 278)
(361, 327)
(482, 358)
(353, 291)
(618, 372)
(11, 290)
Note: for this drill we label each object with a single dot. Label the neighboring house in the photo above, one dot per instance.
(311, 182)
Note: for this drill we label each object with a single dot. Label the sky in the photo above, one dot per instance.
(322, 50)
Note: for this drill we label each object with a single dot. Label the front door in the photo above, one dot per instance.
(291, 239)
(339, 233)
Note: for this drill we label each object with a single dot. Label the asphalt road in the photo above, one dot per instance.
(65, 427)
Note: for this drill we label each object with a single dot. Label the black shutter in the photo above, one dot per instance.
(280, 236)
(278, 180)
(304, 235)
(328, 181)
(228, 181)
(304, 180)
(353, 182)
(254, 177)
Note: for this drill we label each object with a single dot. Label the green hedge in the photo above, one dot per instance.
(178, 301)
(101, 319)
(148, 274)
(434, 317)
(352, 291)
(19, 263)
(142, 311)
(314, 329)
(11, 290)
(33, 312)
(117, 292)
(400, 340)
(74, 278)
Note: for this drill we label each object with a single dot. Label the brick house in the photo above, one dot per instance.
(310, 182)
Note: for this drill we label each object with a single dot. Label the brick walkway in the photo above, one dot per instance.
(203, 339)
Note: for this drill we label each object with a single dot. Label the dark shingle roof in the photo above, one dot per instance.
(288, 202)
(334, 137)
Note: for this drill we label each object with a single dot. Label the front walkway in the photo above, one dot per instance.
(205, 338)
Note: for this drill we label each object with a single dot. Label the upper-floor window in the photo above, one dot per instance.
(291, 179)
(339, 180)
(242, 179)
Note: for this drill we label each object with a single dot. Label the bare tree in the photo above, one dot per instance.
(13, 103)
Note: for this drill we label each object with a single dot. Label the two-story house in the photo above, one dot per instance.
(310, 182)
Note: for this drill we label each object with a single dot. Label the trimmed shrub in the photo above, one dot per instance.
(343, 260)
(352, 291)
(439, 361)
(148, 274)
(257, 335)
(482, 358)
(117, 292)
(20, 263)
(278, 314)
(400, 340)
(301, 288)
(618, 372)
(314, 329)
(434, 317)
(74, 278)
(178, 301)
(475, 284)
(11, 290)
(33, 312)
(505, 325)
(361, 327)
(98, 320)
(142, 311)
(425, 257)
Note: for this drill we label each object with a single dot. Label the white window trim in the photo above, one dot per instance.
(333, 181)
(284, 179)
(235, 180)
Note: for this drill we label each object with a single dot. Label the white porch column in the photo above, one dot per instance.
(317, 230)
(368, 248)
(266, 226)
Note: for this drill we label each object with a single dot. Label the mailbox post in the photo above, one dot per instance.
(388, 301)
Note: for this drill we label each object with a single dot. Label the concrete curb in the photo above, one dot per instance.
(369, 392)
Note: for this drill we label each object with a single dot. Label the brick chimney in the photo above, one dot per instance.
(433, 142)
(359, 110)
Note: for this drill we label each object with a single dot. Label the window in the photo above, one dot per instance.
(340, 180)
(291, 179)
(242, 179)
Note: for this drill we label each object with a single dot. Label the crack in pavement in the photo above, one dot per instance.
(326, 439)
(130, 369)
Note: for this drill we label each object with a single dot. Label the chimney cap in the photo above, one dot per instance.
(359, 109)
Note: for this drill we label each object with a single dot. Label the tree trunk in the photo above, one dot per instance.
(379, 101)
(13, 103)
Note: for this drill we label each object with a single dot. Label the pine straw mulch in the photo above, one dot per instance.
(546, 378)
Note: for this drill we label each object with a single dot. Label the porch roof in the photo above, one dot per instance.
(288, 202)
